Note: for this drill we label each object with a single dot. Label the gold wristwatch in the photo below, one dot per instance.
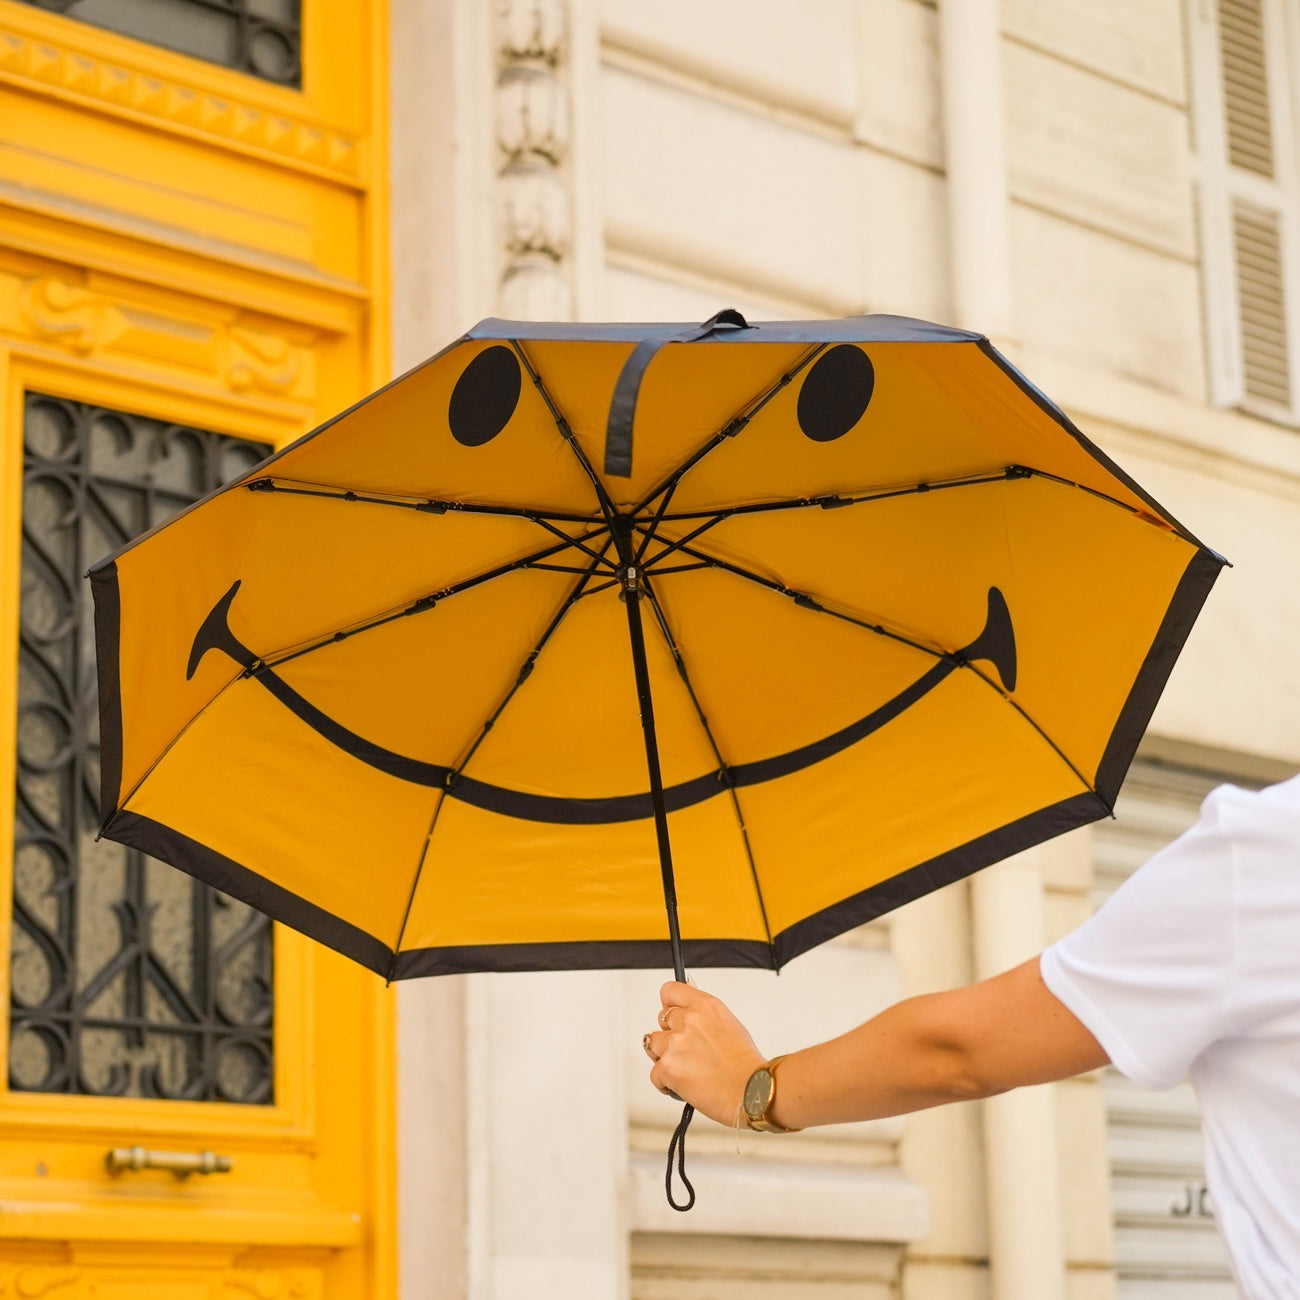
(759, 1097)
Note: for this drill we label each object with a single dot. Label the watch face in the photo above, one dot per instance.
(758, 1093)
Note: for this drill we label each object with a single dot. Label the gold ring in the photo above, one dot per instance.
(663, 1018)
(645, 1045)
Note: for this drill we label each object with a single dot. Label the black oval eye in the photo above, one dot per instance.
(485, 397)
(835, 393)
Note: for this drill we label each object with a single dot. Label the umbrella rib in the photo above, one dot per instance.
(834, 501)
(733, 426)
(275, 658)
(805, 601)
(425, 505)
(724, 768)
(566, 432)
(831, 501)
(1056, 749)
(525, 672)
(546, 519)
(265, 664)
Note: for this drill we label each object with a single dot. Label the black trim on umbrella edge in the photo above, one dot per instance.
(1015, 837)
(1176, 626)
(594, 954)
(108, 625)
(239, 882)
(1050, 408)
(634, 954)
(876, 328)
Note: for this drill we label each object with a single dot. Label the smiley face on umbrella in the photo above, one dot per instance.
(780, 625)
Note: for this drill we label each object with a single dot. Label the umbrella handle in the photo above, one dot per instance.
(677, 1147)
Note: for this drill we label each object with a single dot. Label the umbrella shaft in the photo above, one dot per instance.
(637, 637)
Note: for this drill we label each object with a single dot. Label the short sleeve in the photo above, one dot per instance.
(1151, 974)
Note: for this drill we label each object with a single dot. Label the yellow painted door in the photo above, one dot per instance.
(194, 1104)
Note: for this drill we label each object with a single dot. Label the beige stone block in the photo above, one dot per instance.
(1085, 1173)
(935, 1280)
(674, 1267)
(903, 213)
(1139, 44)
(1235, 684)
(1105, 303)
(717, 190)
(1090, 1284)
(1085, 148)
(795, 59)
(1065, 863)
(1063, 913)
(648, 292)
(931, 939)
(780, 1199)
(942, 1150)
(900, 109)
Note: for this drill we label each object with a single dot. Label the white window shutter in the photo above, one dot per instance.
(1243, 65)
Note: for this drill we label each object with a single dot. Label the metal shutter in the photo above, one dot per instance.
(1166, 1244)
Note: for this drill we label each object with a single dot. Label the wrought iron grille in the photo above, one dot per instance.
(128, 977)
(260, 37)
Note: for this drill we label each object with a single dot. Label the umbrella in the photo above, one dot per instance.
(616, 645)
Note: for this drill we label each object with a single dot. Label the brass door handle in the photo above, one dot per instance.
(180, 1163)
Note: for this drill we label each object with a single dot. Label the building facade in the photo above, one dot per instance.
(222, 222)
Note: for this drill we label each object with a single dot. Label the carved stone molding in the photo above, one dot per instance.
(533, 190)
(534, 211)
(35, 64)
(536, 289)
(532, 113)
(89, 322)
(532, 29)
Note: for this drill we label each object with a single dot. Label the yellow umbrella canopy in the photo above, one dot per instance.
(805, 619)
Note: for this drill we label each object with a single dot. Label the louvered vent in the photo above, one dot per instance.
(1257, 246)
(1245, 85)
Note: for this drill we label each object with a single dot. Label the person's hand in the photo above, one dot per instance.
(701, 1052)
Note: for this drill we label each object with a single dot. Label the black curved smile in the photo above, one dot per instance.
(995, 644)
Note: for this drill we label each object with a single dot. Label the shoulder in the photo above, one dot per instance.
(1262, 826)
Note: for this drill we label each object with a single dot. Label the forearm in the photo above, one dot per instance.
(905, 1059)
(955, 1046)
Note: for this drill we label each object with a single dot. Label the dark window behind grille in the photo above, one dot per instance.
(260, 37)
(128, 977)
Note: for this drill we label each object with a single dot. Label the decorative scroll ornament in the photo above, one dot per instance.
(242, 359)
(274, 1284)
(261, 361)
(65, 313)
(31, 1281)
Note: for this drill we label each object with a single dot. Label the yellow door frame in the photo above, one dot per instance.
(119, 304)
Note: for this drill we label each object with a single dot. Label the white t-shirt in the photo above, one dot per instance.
(1192, 968)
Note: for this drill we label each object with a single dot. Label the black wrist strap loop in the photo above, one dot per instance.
(677, 1146)
(622, 407)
